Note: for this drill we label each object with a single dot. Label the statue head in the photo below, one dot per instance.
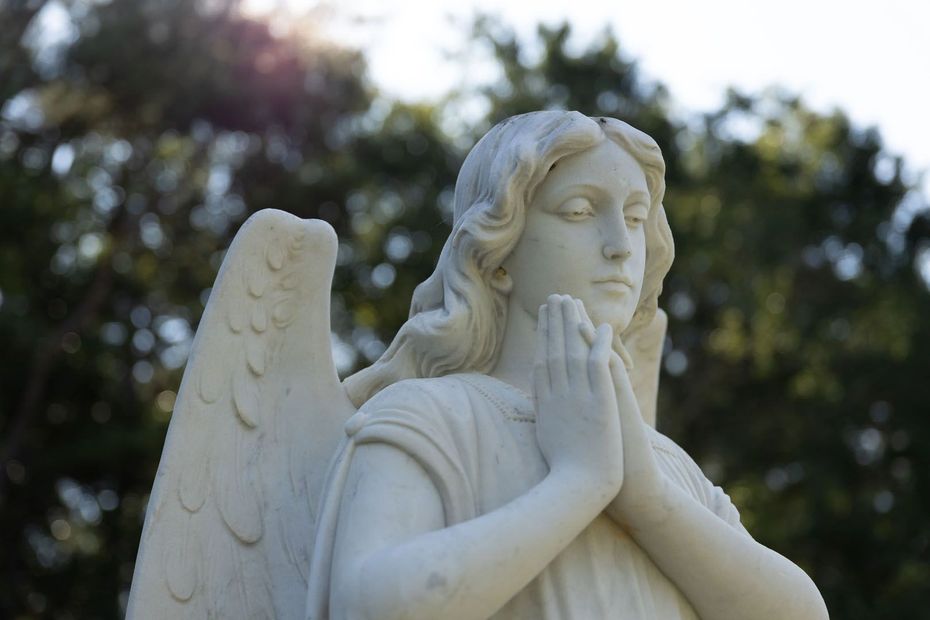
(458, 314)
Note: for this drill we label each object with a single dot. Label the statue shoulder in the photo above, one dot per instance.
(434, 394)
(446, 410)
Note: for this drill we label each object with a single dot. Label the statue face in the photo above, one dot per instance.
(585, 236)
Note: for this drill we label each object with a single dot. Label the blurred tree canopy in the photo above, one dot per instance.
(136, 136)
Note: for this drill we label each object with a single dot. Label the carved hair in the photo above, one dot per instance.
(458, 315)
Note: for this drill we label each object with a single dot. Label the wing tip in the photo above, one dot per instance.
(274, 218)
(299, 236)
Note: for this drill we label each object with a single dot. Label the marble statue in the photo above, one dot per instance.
(498, 461)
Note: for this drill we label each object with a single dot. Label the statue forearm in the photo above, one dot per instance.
(723, 572)
(468, 570)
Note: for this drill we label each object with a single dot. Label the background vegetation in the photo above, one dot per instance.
(135, 141)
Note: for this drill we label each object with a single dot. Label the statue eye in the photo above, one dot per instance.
(635, 215)
(577, 208)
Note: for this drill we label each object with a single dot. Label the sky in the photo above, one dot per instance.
(870, 59)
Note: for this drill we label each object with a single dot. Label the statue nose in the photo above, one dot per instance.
(616, 237)
(613, 251)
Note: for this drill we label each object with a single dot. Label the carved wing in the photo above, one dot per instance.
(260, 411)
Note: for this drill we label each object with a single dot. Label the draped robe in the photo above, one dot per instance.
(475, 437)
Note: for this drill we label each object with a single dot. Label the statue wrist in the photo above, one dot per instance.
(647, 510)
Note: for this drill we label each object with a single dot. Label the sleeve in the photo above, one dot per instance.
(412, 418)
(415, 418)
(678, 466)
(723, 507)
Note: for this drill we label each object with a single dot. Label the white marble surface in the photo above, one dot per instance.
(500, 459)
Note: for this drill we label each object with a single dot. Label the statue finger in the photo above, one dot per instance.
(540, 364)
(555, 354)
(599, 362)
(576, 349)
(588, 331)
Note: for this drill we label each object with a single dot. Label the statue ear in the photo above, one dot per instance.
(501, 281)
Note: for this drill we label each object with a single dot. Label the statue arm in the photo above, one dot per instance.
(721, 570)
(394, 557)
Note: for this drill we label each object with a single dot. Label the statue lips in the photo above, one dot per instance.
(615, 283)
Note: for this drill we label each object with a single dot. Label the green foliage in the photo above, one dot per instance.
(798, 341)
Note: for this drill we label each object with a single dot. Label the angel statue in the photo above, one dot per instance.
(498, 461)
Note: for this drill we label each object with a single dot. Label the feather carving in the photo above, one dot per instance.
(230, 523)
(237, 317)
(256, 280)
(246, 398)
(181, 565)
(275, 256)
(255, 354)
(237, 495)
(192, 488)
(259, 318)
(210, 382)
(283, 312)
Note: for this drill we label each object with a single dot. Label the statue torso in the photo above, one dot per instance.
(475, 437)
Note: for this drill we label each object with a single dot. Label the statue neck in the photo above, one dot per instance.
(517, 353)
